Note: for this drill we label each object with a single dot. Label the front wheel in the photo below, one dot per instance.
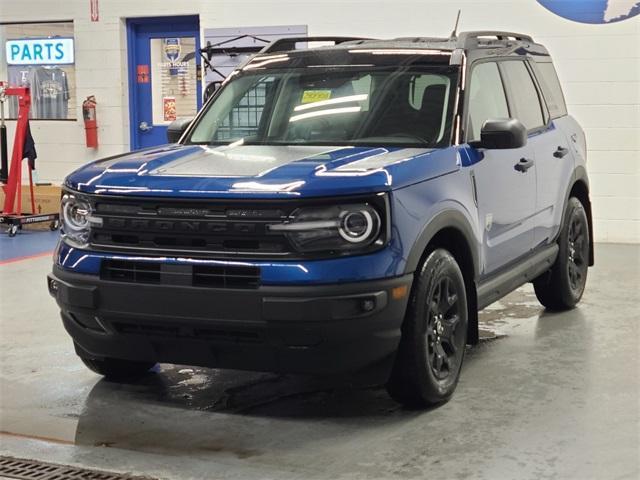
(562, 287)
(434, 335)
(115, 369)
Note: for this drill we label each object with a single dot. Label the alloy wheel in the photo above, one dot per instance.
(444, 343)
(577, 263)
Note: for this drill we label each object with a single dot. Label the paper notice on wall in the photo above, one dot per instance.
(169, 108)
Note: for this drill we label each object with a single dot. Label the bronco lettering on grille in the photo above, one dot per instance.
(140, 225)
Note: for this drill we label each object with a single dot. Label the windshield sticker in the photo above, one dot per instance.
(312, 96)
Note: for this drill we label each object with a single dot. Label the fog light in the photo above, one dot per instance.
(368, 305)
(53, 286)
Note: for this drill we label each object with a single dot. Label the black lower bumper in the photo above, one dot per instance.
(321, 329)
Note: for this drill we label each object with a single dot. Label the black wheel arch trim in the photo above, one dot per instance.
(445, 219)
(452, 219)
(580, 176)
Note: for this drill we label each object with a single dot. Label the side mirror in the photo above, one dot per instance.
(502, 134)
(177, 128)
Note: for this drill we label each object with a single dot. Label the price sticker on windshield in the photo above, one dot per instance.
(313, 96)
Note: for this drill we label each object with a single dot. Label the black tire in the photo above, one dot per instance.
(561, 288)
(434, 335)
(115, 369)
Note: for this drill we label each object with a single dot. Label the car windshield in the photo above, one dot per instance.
(378, 106)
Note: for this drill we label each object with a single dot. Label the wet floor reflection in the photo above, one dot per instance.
(182, 408)
(178, 408)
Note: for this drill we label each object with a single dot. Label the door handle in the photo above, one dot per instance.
(560, 152)
(523, 165)
(145, 127)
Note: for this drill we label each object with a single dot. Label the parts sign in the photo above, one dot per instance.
(40, 51)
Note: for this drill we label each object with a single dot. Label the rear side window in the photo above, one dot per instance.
(551, 89)
(486, 98)
(523, 95)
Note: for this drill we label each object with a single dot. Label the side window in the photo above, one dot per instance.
(486, 98)
(522, 94)
(551, 89)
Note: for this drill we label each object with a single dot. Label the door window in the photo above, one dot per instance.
(523, 94)
(486, 98)
(173, 79)
(548, 80)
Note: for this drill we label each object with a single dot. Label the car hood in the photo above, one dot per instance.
(261, 171)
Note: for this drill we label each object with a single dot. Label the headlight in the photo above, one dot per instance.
(75, 214)
(341, 227)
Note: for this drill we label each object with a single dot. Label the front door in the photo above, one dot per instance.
(164, 75)
(506, 206)
(506, 192)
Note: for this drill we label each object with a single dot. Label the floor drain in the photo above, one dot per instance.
(34, 470)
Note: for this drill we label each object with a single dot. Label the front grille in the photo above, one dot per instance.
(199, 230)
(149, 272)
(135, 272)
(226, 276)
(212, 228)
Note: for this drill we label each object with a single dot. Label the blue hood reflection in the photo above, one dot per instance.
(261, 171)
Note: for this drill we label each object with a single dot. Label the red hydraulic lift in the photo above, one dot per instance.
(12, 214)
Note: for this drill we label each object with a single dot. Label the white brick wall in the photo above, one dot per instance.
(599, 66)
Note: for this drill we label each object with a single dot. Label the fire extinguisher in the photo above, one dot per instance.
(90, 122)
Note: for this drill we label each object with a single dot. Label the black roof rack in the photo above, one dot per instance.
(472, 39)
(286, 44)
(464, 40)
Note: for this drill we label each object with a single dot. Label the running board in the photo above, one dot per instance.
(498, 286)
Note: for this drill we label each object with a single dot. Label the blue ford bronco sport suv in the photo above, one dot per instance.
(336, 209)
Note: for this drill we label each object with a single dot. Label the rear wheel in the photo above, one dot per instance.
(562, 287)
(115, 369)
(434, 335)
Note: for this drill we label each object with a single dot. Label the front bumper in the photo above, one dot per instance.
(319, 329)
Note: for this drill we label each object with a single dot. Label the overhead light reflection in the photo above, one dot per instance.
(265, 187)
(320, 113)
(262, 61)
(351, 98)
(401, 51)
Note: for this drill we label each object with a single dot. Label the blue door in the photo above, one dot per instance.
(506, 194)
(164, 75)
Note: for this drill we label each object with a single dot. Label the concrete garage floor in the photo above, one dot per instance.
(543, 396)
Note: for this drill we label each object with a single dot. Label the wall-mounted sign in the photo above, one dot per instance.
(169, 108)
(95, 11)
(172, 48)
(142, 73)
(40, 51)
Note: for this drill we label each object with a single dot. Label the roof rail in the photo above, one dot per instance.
(289, 43)
(470, 39)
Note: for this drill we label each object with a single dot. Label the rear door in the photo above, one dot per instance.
(506, 196)
(556, 153)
